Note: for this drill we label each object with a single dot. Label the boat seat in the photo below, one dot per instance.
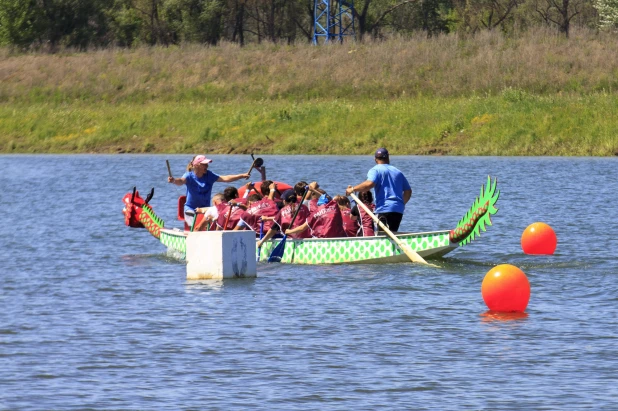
(181, 207)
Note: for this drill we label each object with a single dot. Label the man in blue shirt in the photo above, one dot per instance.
(199, 181)
(392, 190)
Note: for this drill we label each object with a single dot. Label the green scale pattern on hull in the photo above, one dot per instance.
(175, 241)
(337, 251)
(334, 251)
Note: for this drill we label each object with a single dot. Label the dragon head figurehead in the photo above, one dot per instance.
(139, 214)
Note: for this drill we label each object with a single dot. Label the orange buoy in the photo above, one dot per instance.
(506, 288)
(539, 238)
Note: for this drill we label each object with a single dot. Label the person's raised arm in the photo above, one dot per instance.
(248, 188)
(364, 186)
(272, 191)
(232, 177)
(314, 187)
(262, 171)
(177, 181)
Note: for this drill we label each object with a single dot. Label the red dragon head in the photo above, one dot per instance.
(133, 207)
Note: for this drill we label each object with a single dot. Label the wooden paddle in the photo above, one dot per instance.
(169, 170)
(258, 162)
(277, 253)
(227, 220)
(412, 255)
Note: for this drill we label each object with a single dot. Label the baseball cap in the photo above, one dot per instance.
(324, 198)
(201, 159)
(381, 153)
(289, 196)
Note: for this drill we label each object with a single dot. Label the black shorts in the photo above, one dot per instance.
(391, 220)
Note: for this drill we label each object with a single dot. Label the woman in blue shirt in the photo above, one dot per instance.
(199, 182)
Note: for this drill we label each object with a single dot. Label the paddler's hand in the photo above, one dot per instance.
(170, 179)
(349, 190)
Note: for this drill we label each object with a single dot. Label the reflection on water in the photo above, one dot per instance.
(197, 286)
(491, 316)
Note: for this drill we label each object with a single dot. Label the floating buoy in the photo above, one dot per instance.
(506, 288)
(539, 238)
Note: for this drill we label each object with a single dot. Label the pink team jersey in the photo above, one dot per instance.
(367, 227)
(326, 222)
(349, 226)
(252, 216)
(284, 217)
(313, 205)
(223, 210)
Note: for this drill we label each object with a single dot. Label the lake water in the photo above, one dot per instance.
(95, 315)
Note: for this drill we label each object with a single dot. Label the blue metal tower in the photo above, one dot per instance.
(334, 20)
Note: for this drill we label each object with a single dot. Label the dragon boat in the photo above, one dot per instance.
(378, 249)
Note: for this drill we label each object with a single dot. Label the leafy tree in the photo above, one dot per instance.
(431, 16)
(21, 23)
(125, 23)
(608, 13)
(73, 23)
(195, 21)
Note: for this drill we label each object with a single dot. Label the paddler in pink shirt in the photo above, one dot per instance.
(231, 201)
(367, 228)
(284, 217)
(350, 224)
(325, 222)
(260, 206)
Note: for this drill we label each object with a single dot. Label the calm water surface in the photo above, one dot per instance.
(94, 315)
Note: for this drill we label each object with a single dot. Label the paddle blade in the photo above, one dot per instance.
(277, 253)
(261, 236)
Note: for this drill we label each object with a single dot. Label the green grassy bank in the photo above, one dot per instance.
(513, 123)
(538, 94)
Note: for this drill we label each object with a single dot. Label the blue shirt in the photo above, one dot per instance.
(390, 183)
(199, 189)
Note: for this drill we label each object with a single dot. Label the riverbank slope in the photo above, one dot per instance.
(538, 94)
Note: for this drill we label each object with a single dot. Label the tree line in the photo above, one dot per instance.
(82, 24)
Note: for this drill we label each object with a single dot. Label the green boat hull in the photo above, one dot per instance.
(362, 250)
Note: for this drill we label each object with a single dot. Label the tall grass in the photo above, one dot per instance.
(538, 93)
(513, 123)
(537, 62)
